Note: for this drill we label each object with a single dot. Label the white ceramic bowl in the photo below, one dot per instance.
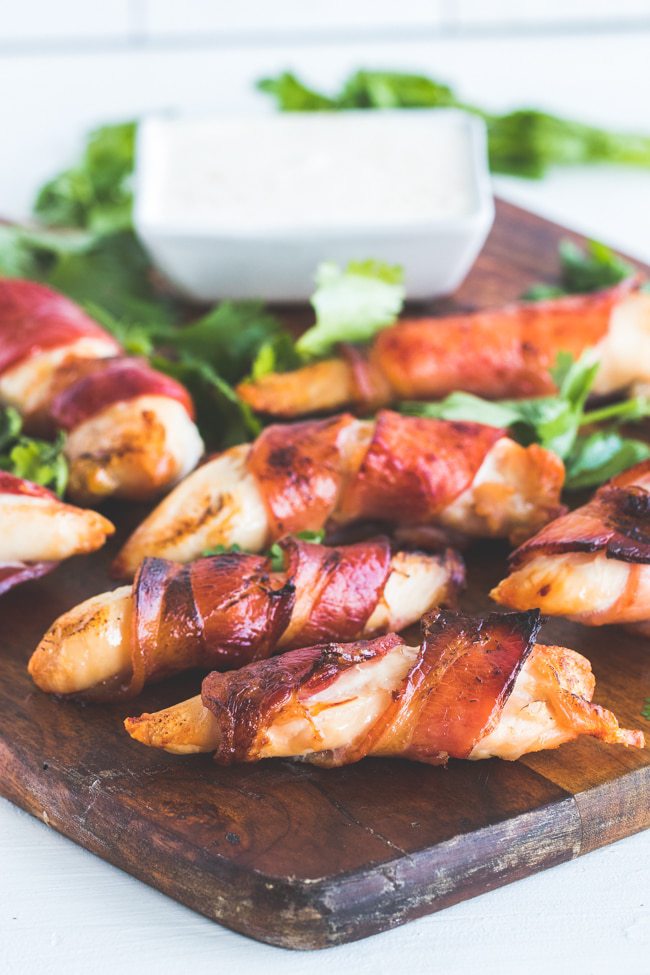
(265, 251)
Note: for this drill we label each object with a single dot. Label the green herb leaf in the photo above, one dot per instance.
(275, 552)
(645, 713)
(222, 550)
(542, 292)
(352, 305)
(223, 418)
(96, 193)
(466, 406)
(277, 556)
(229, 337)
(311, 536)
(275, 355)
(294, 96)
(555, 421)
(394, 89)
(591, 268)
(10, 426)
(598, 457)
(113, 272)
(34, 460)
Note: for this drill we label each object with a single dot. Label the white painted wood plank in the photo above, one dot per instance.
(516, 13)
(38, 20)
(561, 74)
(64, 912)
(163, 18)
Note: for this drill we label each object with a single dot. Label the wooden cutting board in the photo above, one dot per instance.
(305, 857)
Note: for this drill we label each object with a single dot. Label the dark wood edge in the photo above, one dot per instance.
(322, 913)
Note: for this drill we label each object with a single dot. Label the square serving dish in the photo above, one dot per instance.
(247, 207)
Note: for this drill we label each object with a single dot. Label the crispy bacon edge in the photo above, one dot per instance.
(616, 521)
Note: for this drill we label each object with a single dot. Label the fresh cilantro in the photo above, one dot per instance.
(222, 417)
(229, 337)
(522, 143)
(10, 427)
(591, 268)
(97, 192)
(352, 305)
(34, 460)
(645, 713)
(277, 354)
(275, 552)
(294, 96)
(555, 422)
(222, 550)
(597, 457)
(311, 536)
(277, 556)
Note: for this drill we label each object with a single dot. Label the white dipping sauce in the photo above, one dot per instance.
(320, 170)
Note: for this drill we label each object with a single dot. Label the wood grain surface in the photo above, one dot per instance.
(305, 857)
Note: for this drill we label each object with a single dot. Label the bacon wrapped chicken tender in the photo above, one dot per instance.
(474, 688)
(500, 353)
(130, 429)
(37, 531)
(228, 610)
(464, 478)
(592, 564)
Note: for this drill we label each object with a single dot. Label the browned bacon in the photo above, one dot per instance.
(616, 521)
(449, 698)
(415, 467)
(504, 352)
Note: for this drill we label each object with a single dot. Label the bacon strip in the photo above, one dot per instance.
(245, 702)
(14, 573)
(92, 531)
(506, 352)
(411, 470)
(415, 467)
(227, 610)
(113, 381)
(503, 352)
(451, 696)
(34, 318)
(10, 484)
(300, 470)
(616, 521)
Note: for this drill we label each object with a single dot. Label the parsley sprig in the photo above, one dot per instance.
(275, 552)
(34, 460)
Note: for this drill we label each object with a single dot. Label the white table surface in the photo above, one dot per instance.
(62, 910)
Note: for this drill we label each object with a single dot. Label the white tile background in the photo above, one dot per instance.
(67, 66)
